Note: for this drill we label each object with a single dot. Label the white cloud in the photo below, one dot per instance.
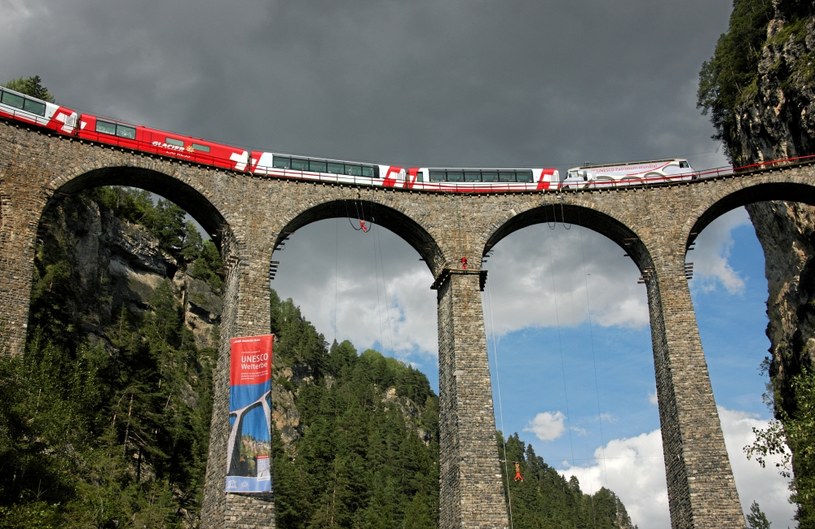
(541, 277)
(547, 426)
(607, 417)
(712, 252)
(633, 468)
(369, 289)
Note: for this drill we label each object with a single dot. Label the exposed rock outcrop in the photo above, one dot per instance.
(778, 121)
(119, 265)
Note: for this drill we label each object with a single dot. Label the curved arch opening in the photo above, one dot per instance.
(358, 272)
(122, 338)
(729, 290)
(185, 196)
(571, 359)
(367, 294)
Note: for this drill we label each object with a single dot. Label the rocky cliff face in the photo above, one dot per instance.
(778, 121)
(119, 265)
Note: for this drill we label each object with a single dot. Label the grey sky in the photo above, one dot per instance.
(459, 82)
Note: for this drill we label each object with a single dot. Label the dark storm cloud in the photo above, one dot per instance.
(460, 82)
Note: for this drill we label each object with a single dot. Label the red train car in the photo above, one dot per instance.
(162, 143)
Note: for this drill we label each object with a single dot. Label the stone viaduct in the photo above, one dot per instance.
(249, 216)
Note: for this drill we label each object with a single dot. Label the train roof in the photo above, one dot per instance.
(658, 160)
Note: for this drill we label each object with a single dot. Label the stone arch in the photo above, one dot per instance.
(743, 196)
(183, 194)
(593, 219)
(370, 212)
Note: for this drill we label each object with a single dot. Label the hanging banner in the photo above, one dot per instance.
(250, 415)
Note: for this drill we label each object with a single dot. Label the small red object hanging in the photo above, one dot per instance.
(518, 476)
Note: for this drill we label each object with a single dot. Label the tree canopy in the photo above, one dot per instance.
(31, 86)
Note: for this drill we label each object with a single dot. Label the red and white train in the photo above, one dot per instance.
(65, 121)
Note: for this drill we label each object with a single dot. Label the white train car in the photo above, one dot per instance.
(628, 173)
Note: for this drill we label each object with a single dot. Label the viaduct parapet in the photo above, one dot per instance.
(250, 216)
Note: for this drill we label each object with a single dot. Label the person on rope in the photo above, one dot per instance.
(464, 263)
(518, 476)
(362, 226)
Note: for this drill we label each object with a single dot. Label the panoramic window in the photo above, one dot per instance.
(506, 176)
(35, 107)
(318, 166)
(299, 164)
(12, 100)
(523, 176)
(455, 176)
(472, 176)
(125, 131)
(105, 127)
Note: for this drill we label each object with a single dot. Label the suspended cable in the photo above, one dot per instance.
(385, 329)
(336, 275)
(359, 210)
(553, 288)
(567, 226)
(593, 356)
(500, 406)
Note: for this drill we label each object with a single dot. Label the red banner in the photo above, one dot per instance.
(251, 359)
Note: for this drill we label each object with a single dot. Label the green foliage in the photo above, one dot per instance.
(207, 264)
(108, 428)
(31, 86)
(792, 438)
(756, 519)
(545, 500)
(728, 79)
(362, 460)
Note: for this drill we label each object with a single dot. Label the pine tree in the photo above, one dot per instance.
(756, 519)
(31, 86)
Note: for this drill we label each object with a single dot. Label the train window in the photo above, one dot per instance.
(489, 176)
(318, 166)
(506, 176)
(523, 176)
(472, 176)
(299, 164)
(353, 170)
(105, 127)
(199, 147)
(124, 131)
(368, 171)
(455, 176)
(13, 100)
(437, 176)
(279, 162)
(175, 142)
(35, 107)
(335, 168)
